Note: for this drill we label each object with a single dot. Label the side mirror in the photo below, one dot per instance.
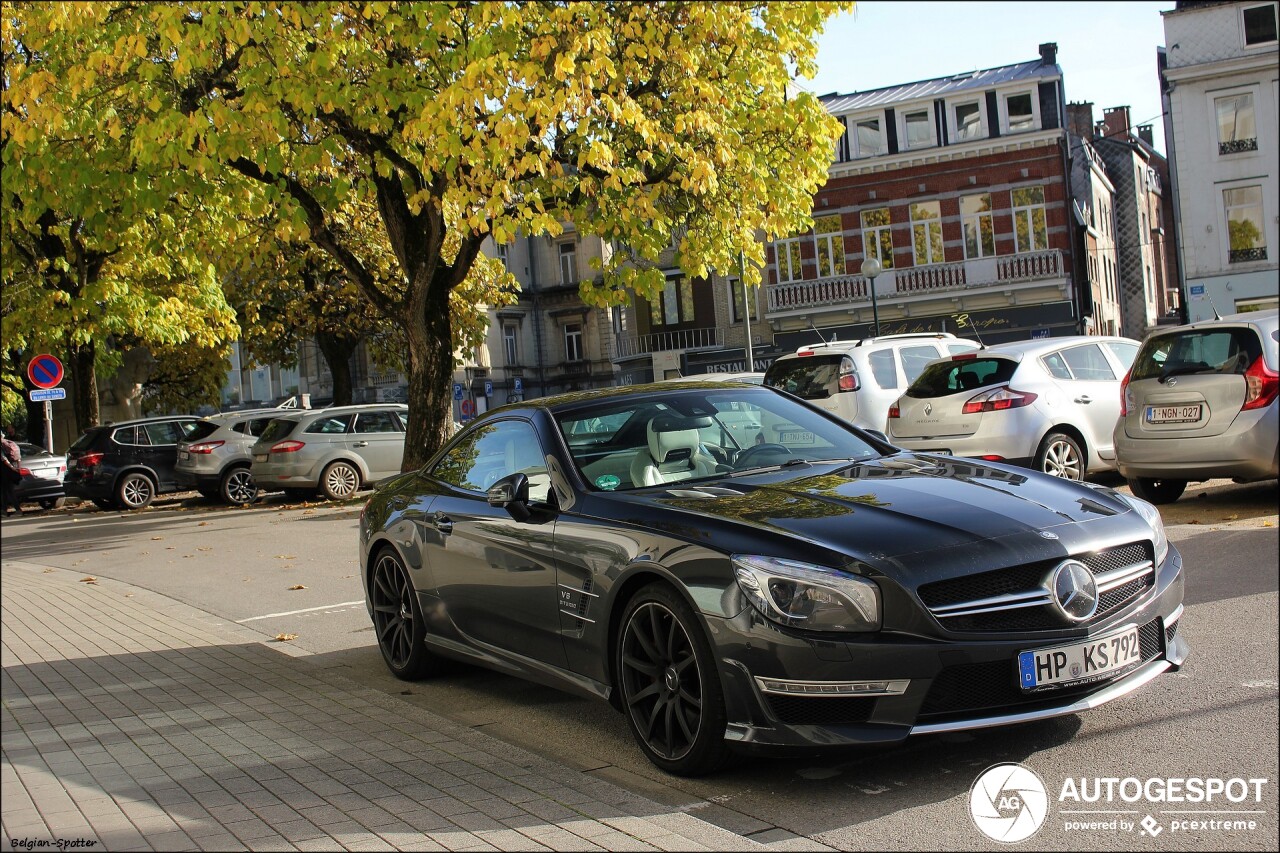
(512, 494)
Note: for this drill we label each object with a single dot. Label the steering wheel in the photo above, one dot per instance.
(759, 449)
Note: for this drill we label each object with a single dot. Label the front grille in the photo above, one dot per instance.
(820, 710)
(964, 689)
(1032, 577)
(1170, 632)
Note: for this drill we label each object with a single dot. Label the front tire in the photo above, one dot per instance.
(670, 689)
(1156, 491)
(340, 481)
(237, 487)
(1060, 455)
(397, 619)
(135, 491)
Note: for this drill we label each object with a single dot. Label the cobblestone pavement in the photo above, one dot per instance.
(134, 722)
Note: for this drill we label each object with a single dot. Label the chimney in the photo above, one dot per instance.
(1117, 121)
(1049, 53)
(1144, 133)
(1080, 120)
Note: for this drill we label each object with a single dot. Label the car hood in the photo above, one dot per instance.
(887, 509)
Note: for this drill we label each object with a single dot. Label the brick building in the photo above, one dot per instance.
(959, 186)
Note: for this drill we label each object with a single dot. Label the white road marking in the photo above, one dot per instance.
(296, 612)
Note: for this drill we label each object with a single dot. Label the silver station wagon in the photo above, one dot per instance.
(339, 450)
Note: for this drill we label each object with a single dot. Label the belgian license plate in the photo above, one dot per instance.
(184, 455)
(1173, 414)
(795, 437)
(259, 457)
(1079, 662)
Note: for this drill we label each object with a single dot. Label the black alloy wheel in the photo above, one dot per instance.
(397, 619)
(670, 689)
(237, 487)
(1157, 491)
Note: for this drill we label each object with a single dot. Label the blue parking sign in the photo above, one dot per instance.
(518, 387)
(457, 390)
(488, 388)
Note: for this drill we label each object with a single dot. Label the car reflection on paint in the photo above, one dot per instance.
(818, 588)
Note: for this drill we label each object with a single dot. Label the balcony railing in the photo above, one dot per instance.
(674, 340)
(982, 272)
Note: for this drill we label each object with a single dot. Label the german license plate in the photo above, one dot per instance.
(1079, 662)
(1173, 414)
(259, 457)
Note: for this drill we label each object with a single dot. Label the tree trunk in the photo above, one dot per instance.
(337, 351)
(84, 382)
(430, 369)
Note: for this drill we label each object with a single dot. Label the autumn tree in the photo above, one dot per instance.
(465, 121)
(97, 253)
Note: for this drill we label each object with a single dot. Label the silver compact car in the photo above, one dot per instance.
(214, 459)
(1048, 404)
(42, 474)
(1201, 403)
(337, 450)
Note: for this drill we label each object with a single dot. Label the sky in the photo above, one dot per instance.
(1107, 51)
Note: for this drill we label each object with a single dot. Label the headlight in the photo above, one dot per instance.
(802, 595)
(1152, 517)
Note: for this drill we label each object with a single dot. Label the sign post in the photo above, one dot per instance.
(45, 372)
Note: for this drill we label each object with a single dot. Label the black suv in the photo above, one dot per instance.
(127, 464)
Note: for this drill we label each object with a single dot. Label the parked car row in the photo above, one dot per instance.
(1192, 402)
(234, 456)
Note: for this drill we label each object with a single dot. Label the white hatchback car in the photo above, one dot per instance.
(1049, 404)
(858, 380)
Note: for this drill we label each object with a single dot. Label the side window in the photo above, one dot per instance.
(127, 435)
(1088, 363)
(242, 427)
(915, 358)
(1057, 367)
(491, 453)
(163, 433)
(256, 426)
(367, 422)
(883, 368)
(331, 425)
(186, 428)
(1124, 353)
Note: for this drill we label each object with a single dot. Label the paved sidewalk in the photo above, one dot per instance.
(134, 722)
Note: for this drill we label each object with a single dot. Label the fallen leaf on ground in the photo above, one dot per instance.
(128, 595)
(207, 548)
(1232, 517)
(308, 512)
(156, 538)
(46, 571)
(203, 524)
(298, 586)
(1194, 521)
(88, 580)
(284, 638)
(285, 557)
(1268, 524)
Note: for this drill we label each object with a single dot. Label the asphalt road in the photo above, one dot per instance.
(290, 569)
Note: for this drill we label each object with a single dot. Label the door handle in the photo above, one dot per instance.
(444, 524)
(361, 444)
(1084, 398)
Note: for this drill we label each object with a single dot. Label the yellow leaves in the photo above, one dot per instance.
(89, 580)
(284, 638)
(296, 587)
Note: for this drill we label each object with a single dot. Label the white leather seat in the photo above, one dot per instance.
(673, 453)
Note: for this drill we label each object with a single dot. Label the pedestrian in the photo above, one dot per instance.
(11, 473)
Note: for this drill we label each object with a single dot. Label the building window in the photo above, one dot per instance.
(511, 342)
(502, 254)
(1030, 231)
(619, 319)
(735, 301)
(978, 224)
(675, 304)
(919, 128)
(568, 264)
(1019, 112)
(968, 121)
(1237, 130)
(788, 257)
(926, 232)
(573, 342)
(1259, 24)
(869, 138)
(842, 142)
(829, 243)
(1245, 225)
(877, 236)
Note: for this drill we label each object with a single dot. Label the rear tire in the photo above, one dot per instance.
(1156, 491)
(670, 687)
(340, 481)
(237, 487)
(1060, 455)
(135, 491)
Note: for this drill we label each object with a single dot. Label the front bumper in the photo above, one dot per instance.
(952, 683)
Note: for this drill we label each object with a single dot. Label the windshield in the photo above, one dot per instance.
(693, 435)
(952, 377)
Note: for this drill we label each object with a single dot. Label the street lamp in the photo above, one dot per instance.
(870, 269)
